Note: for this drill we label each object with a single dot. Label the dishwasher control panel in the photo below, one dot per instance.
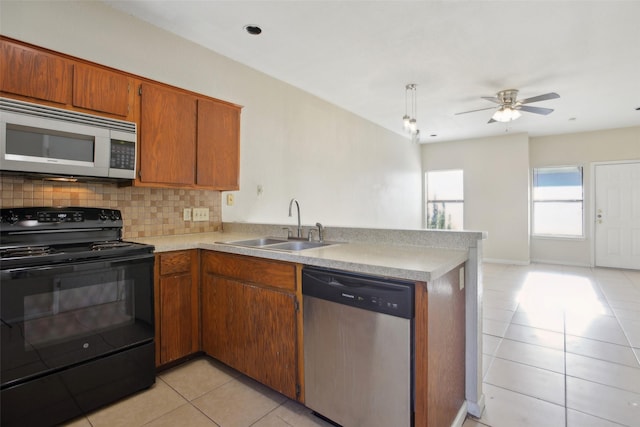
(389, 296)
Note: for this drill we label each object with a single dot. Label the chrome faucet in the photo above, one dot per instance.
(320, 232)
(298, 208)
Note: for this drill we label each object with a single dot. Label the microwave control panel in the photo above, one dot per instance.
(123, 154)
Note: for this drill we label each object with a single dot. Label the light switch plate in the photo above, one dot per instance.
(186, 214)
(201, 214)
(461, 278)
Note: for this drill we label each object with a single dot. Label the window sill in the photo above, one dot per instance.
(557, 237)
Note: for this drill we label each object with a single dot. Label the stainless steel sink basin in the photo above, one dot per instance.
(278, 244)
(262, 241)
(298, 245)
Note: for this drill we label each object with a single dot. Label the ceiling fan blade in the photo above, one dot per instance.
(550, 95)
(473, 111)
(536, 110)
(492, 99)
(492, 121)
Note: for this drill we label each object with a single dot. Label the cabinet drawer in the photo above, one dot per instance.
(250, 269)
(175, 262)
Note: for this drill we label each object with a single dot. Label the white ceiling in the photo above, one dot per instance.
(360, 55)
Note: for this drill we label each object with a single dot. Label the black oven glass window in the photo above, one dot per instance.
(78, 305)
(53, 317)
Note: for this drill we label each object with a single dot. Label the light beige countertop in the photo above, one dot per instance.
(413, 262)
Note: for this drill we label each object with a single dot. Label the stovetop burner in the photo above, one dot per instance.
(99, 246)
(51, 235)
(25, 251)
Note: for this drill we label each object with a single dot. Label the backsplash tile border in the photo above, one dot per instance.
(146, 211)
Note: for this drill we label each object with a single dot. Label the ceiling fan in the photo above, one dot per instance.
(509, 106)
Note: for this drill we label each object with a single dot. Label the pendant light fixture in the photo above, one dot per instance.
(410, 122)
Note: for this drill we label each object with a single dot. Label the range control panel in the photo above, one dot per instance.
(35, 218)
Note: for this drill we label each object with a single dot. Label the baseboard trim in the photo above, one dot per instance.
(505, 261)
(461, 416)
(556, 262)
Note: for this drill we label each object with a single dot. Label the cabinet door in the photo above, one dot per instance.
(100, 90)
(177, 309)
(167, 136)
(252, 329)
(175, 325)
(218, 159)
(39, 75)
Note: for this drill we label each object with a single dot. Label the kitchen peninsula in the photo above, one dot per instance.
(444, 265)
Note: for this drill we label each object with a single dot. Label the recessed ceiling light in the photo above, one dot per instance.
(254, 30)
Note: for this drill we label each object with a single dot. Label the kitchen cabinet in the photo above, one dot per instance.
(177, 305)
(37, 74)
(251, 319)
(187, 141)
(101, 90)
(34, 74)
(167, 136)
(218, 149)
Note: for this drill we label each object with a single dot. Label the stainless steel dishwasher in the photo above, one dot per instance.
(358, 347)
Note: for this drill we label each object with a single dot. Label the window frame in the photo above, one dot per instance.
(581, 200)
(427, 201)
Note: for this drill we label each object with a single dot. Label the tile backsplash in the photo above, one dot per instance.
(146, 211)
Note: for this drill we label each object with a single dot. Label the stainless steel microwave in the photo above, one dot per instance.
(51, 141)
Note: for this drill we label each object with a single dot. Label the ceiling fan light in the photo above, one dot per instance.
(506, 114)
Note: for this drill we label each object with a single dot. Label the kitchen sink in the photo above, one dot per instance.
(278, 244)
(262, 241)
(298, 245)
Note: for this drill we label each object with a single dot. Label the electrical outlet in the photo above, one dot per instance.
(229, 199)
(186, 214)
(201, 214)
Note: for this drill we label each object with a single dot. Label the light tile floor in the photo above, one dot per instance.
(561, 348)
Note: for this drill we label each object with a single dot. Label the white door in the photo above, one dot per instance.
(617, 215)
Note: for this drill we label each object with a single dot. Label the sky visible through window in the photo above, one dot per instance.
(558, 201)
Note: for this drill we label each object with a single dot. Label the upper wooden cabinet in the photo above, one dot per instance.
(34, 74)
(167, 139)
(101, 90)
(218, 151)
(185, 140)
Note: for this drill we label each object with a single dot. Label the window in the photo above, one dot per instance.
(445, 200)
(558, 201)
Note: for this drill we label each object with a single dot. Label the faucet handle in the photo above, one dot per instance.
(288, 231)
(310, 236)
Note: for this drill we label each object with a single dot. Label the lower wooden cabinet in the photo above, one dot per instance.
(251, 318)
(177, 305)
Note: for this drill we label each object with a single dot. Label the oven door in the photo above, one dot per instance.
(58, 316)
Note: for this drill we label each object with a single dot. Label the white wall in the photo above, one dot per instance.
(496, 190)
(343, 169)
(579, 149)
(497, 186)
